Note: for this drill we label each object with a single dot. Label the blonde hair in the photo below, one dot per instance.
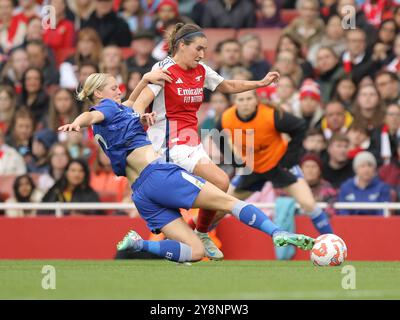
(96, 81)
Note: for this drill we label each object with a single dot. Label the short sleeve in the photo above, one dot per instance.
(212, 78)
(107, 107)
(155, 88)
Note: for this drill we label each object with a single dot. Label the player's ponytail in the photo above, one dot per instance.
(96, 81)
(183, 32)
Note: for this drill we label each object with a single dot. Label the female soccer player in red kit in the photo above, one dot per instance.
(176, 130)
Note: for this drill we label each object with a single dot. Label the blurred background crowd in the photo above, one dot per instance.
(339, 71)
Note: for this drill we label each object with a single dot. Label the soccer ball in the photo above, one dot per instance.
(328, 250)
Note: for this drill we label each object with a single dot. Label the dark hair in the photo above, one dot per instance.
(24, 93)
(313, 132)
(391, 74)
(218, 47)
(183, 32)
(62, 183)
(16, 185)
(335, 93)
(340, 137)
(22, 113)
(296, 43)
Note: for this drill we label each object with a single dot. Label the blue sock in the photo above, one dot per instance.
(321, 221)
(254, 217)
(169, 249)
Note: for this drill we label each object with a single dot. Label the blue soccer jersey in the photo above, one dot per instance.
(119, 133)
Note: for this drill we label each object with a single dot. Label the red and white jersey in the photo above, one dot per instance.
(177, 103)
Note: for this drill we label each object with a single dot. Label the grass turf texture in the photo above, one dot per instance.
(160, 279)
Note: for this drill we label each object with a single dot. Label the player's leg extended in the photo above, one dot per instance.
(212, 198)
(206, 169)
(303, 195)
(182, 244)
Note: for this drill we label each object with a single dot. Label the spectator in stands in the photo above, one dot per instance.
(73, 187)
(21, 132)
(283, 94)
(88, 49)
(11, 162)
(111, 28)
(329, 70)
(286, 64)
(392, 64)
(34, 96)
(383, 48)
(63, 35)
(373, 10)
(333, 38)
(390, 174)
(228, 56)
(112, 62)
(344, 91)
(58, 160)
(235, 14)
(34, 30)
(12, 33)
(142, 47)
(41, 144)
(368, 108)
(7, 106)
(270, 14)
(24, 191)
(289, 43)
(241, 73)
(322, 190)
(78, 145)
(167, 11)
(134, 15)
(365, 186)
(337, 168)
(14, 69)
(314, 142)
(336, 119)
(160, 51)
(27, 10)
(81, 11)
(39, 58)
(388, 87)
(355, 16)
(308, 27)
(253, 57)
(219, 102)
(384, 138)
(104, 181)
(356, 59)
(358, 139)
(63, 109)
(310, 104)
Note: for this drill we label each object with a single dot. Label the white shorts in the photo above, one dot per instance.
(187, 156)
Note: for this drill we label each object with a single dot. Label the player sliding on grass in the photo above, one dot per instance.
(160, 188)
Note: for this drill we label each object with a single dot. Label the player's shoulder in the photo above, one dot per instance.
(164, 64)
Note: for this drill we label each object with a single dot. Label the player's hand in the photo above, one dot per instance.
(148, 119)
(271, 77)
(158, 76)
(69, 127)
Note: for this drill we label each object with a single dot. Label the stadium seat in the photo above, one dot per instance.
(288, 15)
(269, 36)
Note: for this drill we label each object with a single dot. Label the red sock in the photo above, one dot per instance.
(192, 224)
(204, 220)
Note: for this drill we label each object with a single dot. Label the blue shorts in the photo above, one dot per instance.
(161, 189)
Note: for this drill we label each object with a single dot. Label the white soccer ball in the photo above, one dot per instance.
(328, 250)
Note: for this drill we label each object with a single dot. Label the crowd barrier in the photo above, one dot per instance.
(94, 237)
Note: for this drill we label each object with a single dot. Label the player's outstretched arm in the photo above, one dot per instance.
(157, 76)
(83, 120)
(237, 86)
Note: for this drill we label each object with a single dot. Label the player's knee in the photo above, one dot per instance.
(222, 182)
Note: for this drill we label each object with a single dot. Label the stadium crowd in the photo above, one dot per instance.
(339, 72)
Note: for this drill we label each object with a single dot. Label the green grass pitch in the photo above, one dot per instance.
(153, 279)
